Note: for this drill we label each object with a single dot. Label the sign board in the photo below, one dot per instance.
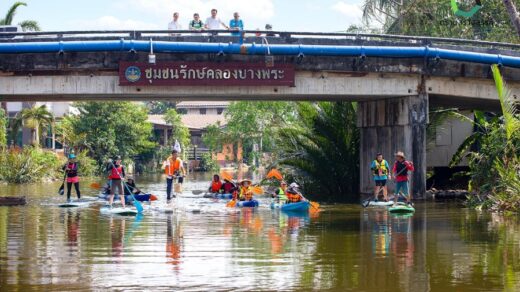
(205, 74)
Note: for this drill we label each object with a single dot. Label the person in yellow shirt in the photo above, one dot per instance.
(246, 193)
(173, 169)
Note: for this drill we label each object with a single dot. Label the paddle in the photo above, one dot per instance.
(95, 185)
(61, 190)
(137, 204)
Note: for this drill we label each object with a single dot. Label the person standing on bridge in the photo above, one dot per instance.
(213, 22)
(400, 170)
(380, 171)
(174, 24)
(236, 25)
(196, 24)
(173, 169)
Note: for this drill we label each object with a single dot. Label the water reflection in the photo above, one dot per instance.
(440, 248)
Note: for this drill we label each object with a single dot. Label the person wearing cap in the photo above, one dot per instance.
(400, 170)
(173, 168)
(380, 171)
(71, 169)
(116, 174)
(236, 25)
(269, 28)
(281, 193)
(246, 193)
(293, 194)
(131, 188)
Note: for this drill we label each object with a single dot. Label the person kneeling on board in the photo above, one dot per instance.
(246, 193)
(216, 185)
(294, 195)
(281, 193)
(130, 189)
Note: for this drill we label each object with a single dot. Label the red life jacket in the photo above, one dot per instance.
(116, 172)
(215, 186)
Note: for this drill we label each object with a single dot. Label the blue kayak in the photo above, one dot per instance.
(141, 197)
(274, 205)
(296, 207)
(247, 204)
(218, 196)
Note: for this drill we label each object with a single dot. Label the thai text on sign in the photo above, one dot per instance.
(205, 74)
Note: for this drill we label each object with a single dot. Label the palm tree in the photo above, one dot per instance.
(35, 118)
(26, 24)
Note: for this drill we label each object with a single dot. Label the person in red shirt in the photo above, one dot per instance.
(400, 170)
(216, 184)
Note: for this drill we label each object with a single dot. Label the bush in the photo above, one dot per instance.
(207, 163)
(28, 165)
(87, 165)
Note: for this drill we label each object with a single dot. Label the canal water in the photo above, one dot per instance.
(442, 247)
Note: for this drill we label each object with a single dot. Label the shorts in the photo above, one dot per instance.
(74, 179)
(402, 186)
(381, 183)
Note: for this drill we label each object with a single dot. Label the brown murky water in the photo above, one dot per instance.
(441, 248)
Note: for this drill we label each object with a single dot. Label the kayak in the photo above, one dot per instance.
(140, 197)
(247, 204)
(76, 204)
(302, 206)
(401, 208)
(377, 203)
(274, 205)
(119, 211)
(218, 196)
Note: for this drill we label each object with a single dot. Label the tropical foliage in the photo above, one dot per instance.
(493, 151)
(36, 118)
(321, 151)
(26, 24)
(180, 132)
(28, 165)
(107, 129)
(3, 128)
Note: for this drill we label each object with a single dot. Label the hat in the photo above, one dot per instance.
(283, 182)
(400, 154)
(244, 180)
(294, 186)
(72, 156)
(117, 157)
(129, 177)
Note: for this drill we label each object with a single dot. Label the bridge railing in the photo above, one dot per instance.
(179, 35)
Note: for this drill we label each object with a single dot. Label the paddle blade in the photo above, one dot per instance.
(138, 205)
(315, 207)
(95, 185)
(61, 191)
(153, 198)
(274, 173)
(226, 175)
(231, 203)
(257, 190)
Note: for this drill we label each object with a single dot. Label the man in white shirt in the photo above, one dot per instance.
(213, 22)
(175, 25)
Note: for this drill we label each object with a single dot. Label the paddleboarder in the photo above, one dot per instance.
(116, 175)
(71, 170)
(173, 169)
(400, 170)
(380, 171)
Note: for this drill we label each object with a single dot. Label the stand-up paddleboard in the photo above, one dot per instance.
(377, 203)
(119, 211)
(75, 204)
(401, 209)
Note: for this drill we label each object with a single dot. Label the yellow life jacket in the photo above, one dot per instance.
(380, 169)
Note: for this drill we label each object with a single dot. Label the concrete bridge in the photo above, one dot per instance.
(395, 79)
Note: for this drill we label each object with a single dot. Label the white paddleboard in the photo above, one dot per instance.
(380, 203)
(119, 211)
(74, 204)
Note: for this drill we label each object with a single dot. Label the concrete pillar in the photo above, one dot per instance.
(391, 125)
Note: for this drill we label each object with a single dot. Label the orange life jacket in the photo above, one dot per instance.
(173, 166)
(246, 193)
(115, 172)
(294, 198)
(215, 186)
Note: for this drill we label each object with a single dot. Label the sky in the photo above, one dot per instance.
(284, 15)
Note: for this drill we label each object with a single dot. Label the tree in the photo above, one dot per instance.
(26, 24)
(112, 128)
(160, 107)
(322, 150)
(36, 119)
(3, 128)
(180, 132)
(513, 15)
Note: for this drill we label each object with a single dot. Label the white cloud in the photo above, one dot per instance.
(254, 13)
(352, 12)
(112, 23)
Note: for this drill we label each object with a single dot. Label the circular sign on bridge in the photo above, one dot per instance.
(133, 74)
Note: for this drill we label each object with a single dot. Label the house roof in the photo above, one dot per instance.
(202, 104)
(195, 122)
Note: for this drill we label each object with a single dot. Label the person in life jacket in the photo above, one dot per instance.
(281, 193)
(228, 187)
(71, 169)
(131, 188)
(173, 169)
(246, 194)
(293, 194)
(116, 174)
(380, 171)
(400, 170)
(216, 184)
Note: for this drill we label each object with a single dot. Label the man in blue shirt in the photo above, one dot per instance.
(236, 25)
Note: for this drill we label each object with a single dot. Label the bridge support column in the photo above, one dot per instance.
(391, 125)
